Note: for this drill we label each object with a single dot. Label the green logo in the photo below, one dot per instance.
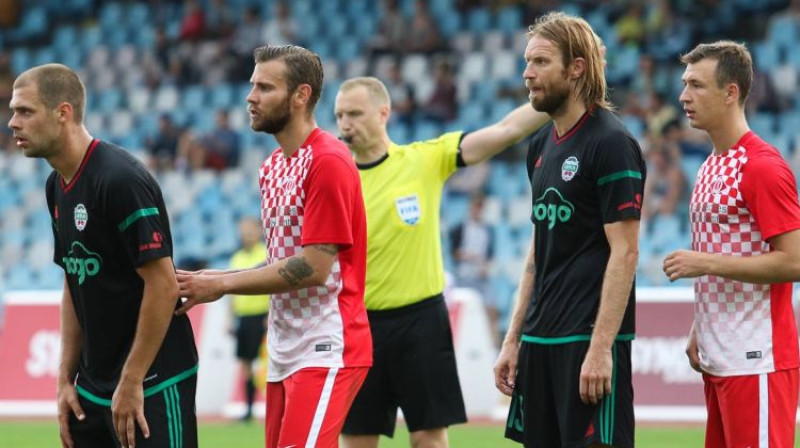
(552, 208)
(82, 262)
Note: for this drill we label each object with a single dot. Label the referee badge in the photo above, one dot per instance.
(569, 168)
(81, 217)
(408, 208)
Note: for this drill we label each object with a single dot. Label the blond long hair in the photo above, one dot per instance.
(576, 39)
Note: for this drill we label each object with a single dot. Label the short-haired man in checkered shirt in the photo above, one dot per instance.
(745, 255)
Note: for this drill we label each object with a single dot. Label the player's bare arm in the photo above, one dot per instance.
(310, 267)
(623, 239)
(158, 303)
(780, 265)
(505, 369)
(71, 335)
(486, 142)
(692, 352)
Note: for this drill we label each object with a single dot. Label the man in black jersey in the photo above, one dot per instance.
(566, 357)
(127, 371)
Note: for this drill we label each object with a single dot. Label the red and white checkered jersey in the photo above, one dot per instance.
(741, 199)
(314, 197)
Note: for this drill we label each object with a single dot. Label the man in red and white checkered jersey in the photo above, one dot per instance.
(320, 346)
(745, 255)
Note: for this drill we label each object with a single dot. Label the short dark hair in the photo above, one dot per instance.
(303, 67)
(734, 64)
(56, 84)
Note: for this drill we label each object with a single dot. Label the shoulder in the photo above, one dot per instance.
(449, 140)
(117, 167)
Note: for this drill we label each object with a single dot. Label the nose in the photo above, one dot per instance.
(13, 123)
(684, 98)
(251, 99)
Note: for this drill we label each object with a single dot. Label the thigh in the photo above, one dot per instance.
(758, 410)
(276, 399)
(171, 417)
(611, 421)
(95, 429)
(316, 403)
(715, 434)
(424, 373)
(374, 409)
(532, 418)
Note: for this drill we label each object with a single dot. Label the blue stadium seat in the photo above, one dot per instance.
(449, 24)
(20, 59)
(111, 16)
(479, 20)
(509, 18)
(762, 123)
(20, 276)
(766, 56)
(194, 97)
(503, 242)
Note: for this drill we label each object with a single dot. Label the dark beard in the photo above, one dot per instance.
(275, 122)
(553, 101)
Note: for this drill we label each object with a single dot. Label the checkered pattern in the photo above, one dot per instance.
(301, 321)
(733, 319)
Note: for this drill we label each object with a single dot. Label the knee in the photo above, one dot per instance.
(429, 438)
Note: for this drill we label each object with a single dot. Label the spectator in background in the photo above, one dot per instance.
(392, 31)
(423, 36)
(249, 312)
(193, 24)
(441, 106)
(631, 26)
(659, 113)
(665, 186)
(246, 37)
(219, 20)
(281, 29)
(401, 92)
(162, 149)
(472, 248)
(222, 144)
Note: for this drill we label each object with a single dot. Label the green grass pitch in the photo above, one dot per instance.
(44, 434)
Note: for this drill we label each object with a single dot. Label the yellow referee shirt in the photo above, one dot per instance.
(246, 259)
(402, 196)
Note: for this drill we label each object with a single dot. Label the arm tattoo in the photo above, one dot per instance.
(531, 268)
(330, 249)
(296, 270)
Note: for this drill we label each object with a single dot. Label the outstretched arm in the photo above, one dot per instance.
(486, 142)
(310, 267)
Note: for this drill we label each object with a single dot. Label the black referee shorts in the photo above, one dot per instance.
(170, 415)
(249, 336)
(546, 408)
(414, 368)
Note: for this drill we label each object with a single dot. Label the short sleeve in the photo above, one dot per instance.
(52, 209)
(770, 190)
(332, 188)
(135, 207)
(442, 153)
(620, 172)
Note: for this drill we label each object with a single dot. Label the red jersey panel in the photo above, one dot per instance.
(314, 197)
(740, 200)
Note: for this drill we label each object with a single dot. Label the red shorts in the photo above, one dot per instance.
(308, 408)
(751, 411)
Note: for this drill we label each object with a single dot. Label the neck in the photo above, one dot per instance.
(567, 115)
(728, 133)
(295, 133)
(73, 148)
(374, 151)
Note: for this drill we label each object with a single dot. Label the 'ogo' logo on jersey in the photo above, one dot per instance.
(82, 262)
(552, 207)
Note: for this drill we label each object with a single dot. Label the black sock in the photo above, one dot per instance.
(250, 393)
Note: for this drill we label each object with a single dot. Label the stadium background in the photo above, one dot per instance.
(184, 61)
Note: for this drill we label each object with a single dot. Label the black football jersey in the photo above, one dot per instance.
(108, 221)
(591, 176)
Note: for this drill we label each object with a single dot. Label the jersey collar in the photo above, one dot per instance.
(66, 187)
